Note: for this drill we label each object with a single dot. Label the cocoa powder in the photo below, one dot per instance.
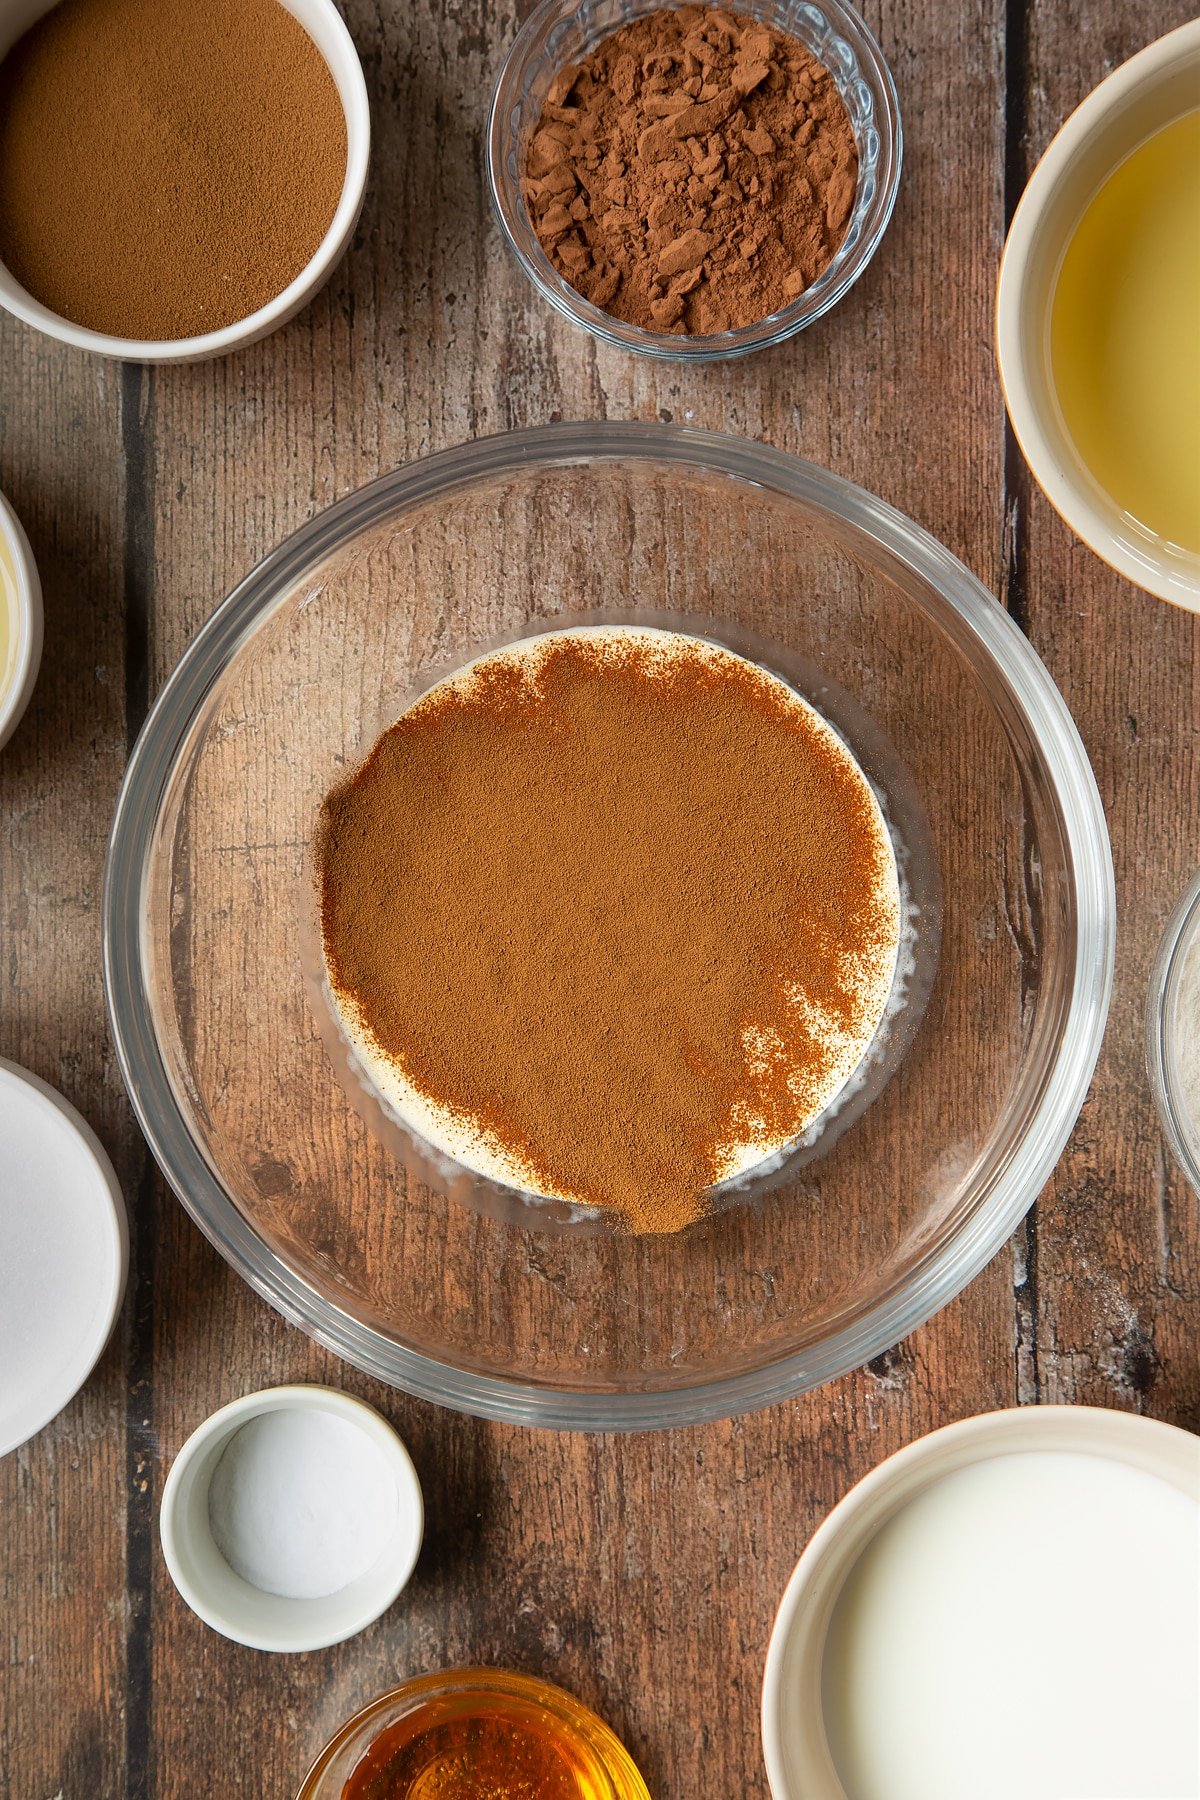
(166, 166)
(573, 900)
(695, 173)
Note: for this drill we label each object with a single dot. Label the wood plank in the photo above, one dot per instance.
(642, 1572)
(63, 1495)
(1116, 1248)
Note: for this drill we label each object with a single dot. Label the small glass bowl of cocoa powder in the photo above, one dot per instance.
(668, 274)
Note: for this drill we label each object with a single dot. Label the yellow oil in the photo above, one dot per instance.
(1125, 335)
(8, 619)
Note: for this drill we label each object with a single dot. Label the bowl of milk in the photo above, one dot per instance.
(1008, 1606)
(1096, 319)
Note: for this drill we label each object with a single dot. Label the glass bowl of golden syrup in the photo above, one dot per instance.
(474, 1734)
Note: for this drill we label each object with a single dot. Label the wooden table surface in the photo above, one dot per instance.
(641, 1572)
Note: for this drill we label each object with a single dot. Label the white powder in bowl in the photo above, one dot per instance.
(301, 1503)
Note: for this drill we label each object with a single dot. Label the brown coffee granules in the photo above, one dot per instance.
(694, 174)
(166, 166)
(622, 903)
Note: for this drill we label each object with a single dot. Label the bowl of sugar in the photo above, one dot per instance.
(1096, 312)
(292, 1518)
(953, 1626)
(177, 177)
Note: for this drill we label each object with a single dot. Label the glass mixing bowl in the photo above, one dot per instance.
(394, 1258)
(1173, 1028)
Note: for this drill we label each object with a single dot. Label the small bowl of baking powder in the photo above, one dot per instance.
(292, 1518)
(1173, 1031)
(693, 183)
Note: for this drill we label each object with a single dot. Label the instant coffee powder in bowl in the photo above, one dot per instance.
(176, 178)
(450, 1281)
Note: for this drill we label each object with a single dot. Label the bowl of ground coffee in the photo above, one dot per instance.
(177, 177)
(694, 182)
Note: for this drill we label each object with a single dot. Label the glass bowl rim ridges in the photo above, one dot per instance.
(1013, 1184)
(850, 28)
(1178, 936)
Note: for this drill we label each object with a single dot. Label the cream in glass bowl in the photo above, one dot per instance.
(465, 1289)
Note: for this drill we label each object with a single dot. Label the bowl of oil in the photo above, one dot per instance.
(1097, 319)
(20, 621)
(468, 1733)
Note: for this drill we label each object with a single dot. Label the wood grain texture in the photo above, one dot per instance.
(63, 1550)
(1114, 1244)
(641, 1572)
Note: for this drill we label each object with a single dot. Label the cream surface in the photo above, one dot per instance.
(1028, 1626)
(463, 1139)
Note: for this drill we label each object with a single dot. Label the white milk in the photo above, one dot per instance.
(1026, 1629)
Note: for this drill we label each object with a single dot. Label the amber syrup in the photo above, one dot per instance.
(503, 1737)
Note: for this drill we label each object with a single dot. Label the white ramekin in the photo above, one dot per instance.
(24, 605)
(236, 1608)
(324, 25)
(799, 1763)
(1153, 88)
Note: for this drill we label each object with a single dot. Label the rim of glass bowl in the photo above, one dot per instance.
(837, 37)
(982, 630)
(577, 1722)
(1179, 935)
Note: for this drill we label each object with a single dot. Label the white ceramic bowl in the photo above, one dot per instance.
(800, 1765)
(324, 25)
(233, 1606)
(1153, 88)
(64, 1253)
(21, 614)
